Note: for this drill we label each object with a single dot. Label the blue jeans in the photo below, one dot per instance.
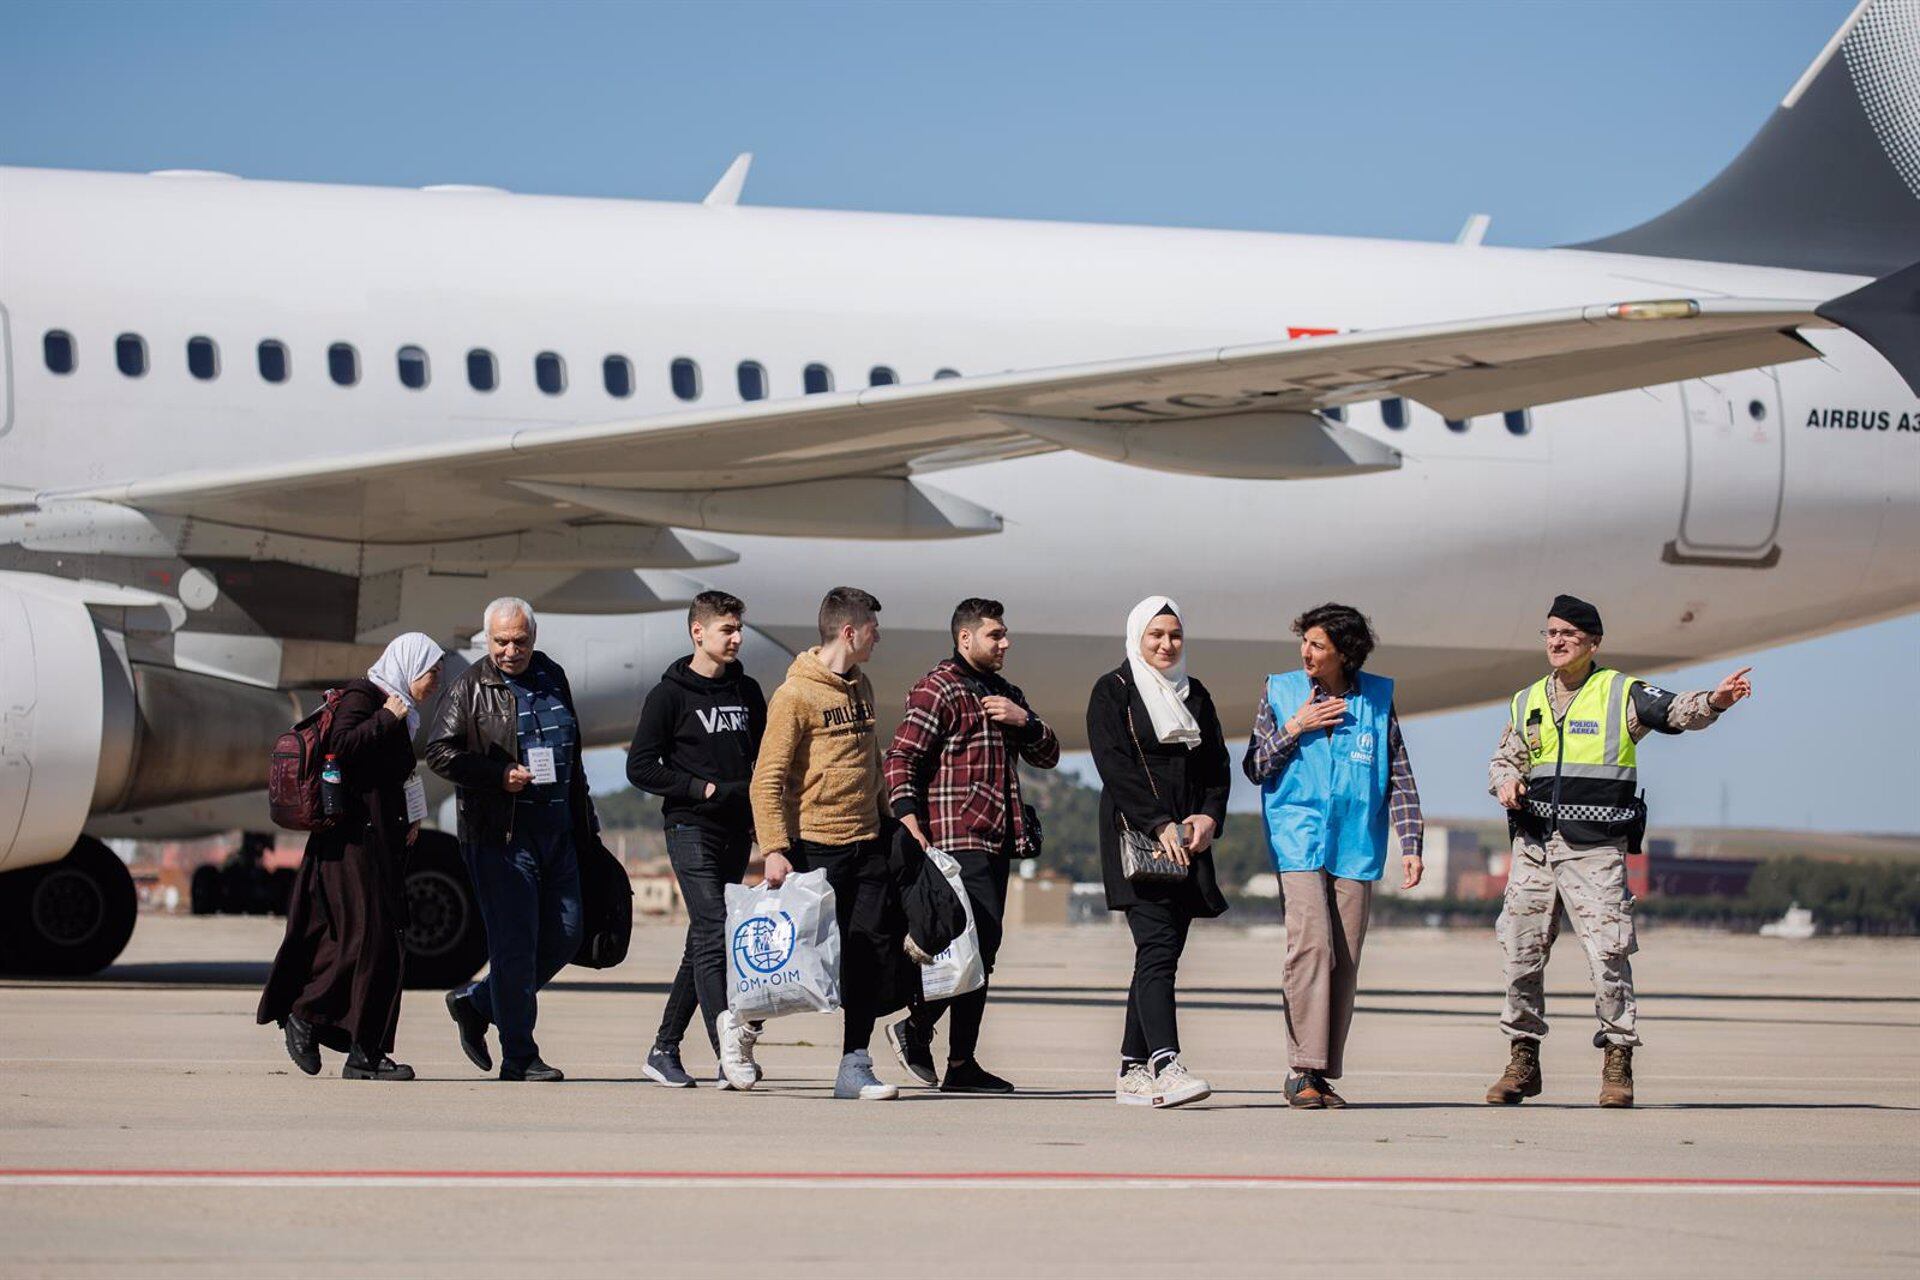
(704, 863)
(529, 895)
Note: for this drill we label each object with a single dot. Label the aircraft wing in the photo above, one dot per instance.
(846, 464)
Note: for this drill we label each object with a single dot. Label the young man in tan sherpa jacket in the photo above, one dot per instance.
(819, 804)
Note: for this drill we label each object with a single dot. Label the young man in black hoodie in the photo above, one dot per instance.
(699, 732)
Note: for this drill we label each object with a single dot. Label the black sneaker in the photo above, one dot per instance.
(365, 1066)
(533, 1070)
(914, 1048)
(300, 1046)
(473, 1030)
(663, 1067)
(971, 1077)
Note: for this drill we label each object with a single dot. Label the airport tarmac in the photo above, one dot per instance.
(148, 1127)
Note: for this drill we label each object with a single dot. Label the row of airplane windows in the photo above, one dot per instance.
(1396, 417)
(414, 369)
(550, 373)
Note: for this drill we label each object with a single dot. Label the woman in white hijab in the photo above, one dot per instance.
(336, 981)
(1164, 778)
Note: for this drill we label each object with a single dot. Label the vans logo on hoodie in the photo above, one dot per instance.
(722, 719)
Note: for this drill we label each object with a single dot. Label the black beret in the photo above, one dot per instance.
(1577, 611)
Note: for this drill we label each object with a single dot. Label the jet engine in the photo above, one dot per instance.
(84, 731)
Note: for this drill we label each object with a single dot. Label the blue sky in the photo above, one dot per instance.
(1563, 121)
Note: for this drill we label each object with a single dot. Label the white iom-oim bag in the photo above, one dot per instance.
(783, 948)
(959, 969)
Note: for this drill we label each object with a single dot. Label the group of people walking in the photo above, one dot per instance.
(803, 776)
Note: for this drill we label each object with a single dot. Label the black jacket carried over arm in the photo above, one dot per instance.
(1188, 780)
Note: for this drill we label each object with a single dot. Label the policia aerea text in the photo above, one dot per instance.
(1566, 772)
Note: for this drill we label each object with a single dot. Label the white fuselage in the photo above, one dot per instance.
(1790, 529)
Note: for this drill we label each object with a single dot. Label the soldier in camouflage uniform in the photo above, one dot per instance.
(1566, 770)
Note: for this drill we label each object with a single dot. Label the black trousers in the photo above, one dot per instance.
(705, 863)
(1159, 936)
(871, 929)
(984, 877)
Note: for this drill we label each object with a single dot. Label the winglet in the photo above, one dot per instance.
(726, 192)
(1475, 230)
(1886, 314)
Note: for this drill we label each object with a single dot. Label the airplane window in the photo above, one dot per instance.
(1518, 421)
(753, 381)
(1756, 410)
(686, 379)
(130, 353)
(1458, 425)
(1393, 412)
(617, 373)
(881, 376)
(57, 346)
(483, 371)
(343, 364)
(412, 362)
(816, 379)
(1334, 413)
(203, 358)
(272, 356)
(945, 373)
(550, 372)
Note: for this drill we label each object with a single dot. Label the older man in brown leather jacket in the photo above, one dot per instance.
(508, 739)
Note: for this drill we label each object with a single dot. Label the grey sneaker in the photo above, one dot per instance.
(1175, 1086)
(857, 1080)
(663, 1067)
(1135, 1088)
(737, 1038)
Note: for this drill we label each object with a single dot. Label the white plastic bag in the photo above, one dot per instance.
(959, 969)
(783, 948)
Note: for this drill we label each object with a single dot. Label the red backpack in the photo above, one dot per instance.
(293, 771)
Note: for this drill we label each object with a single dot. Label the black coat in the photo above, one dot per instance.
(1189, 780)
(339, 965)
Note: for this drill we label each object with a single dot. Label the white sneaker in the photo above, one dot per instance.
(856, 1080)
(737, 1038)
(1135, 1088)
(1175, 1086)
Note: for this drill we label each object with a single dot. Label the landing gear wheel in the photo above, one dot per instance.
(445, 939)
(67, 918)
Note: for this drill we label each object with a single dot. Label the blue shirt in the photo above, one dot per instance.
(545, 721)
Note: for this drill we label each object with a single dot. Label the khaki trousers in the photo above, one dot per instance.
(1590, 882)
(1326, 926)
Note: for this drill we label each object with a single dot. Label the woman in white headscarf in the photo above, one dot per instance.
(1164, 778)
(336, 981)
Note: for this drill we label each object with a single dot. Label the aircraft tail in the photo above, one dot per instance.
(1832, 182)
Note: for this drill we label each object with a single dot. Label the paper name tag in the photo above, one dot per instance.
(540, 764)
(416, 799)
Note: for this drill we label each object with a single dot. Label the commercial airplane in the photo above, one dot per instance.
(253, 429)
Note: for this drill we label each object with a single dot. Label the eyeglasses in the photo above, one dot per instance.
(1557, 633)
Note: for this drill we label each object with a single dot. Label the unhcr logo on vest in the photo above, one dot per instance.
(1363, 748)
(763, 945)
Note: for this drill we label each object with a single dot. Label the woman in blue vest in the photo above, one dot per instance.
(1332, 768)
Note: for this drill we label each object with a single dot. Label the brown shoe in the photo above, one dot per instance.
(1522, 1079)
(1616, 1076)
(1333, 1100)
(1304, 1092)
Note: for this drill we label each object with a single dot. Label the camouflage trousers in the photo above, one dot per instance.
(1591, 881)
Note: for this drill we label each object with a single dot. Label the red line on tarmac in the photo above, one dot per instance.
(1017, 1176)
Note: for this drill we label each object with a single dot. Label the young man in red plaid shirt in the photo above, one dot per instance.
(953, 780)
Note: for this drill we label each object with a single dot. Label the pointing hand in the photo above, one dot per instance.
(1731, 690)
